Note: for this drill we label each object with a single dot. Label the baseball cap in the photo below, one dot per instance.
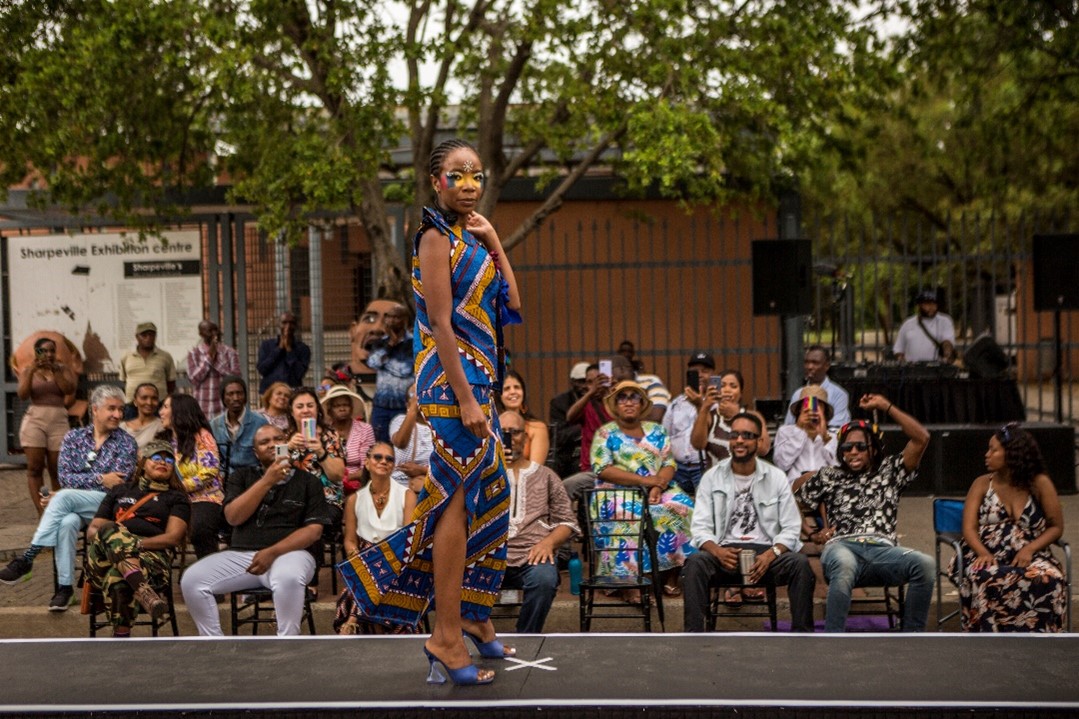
(702, 358)
(927, 295)
(156, 446)
(579, 371)
(145, 327)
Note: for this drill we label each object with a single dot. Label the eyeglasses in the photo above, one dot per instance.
(381, 457)
(744, 434)
(513, 432)
(325, 387)
(166, 458)
(848, 446)
(632, 397)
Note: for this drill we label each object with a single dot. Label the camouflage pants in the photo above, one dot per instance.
(113, 553)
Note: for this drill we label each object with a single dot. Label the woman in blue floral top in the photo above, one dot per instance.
(633, 453)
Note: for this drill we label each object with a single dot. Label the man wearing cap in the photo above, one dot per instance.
(567, 438)
(93, 460)
(746, 503)
(816, 364)
(234, 429)
(277, 513)
(285, 358)
(808, 444)
(147, 363)
(679, 419)
(208, 363)
(928, 335)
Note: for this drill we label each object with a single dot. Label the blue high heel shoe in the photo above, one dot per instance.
(460, 677)
(492, 649)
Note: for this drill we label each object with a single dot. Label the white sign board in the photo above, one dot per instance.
(95, 289)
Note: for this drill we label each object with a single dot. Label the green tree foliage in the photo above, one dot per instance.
(309, 105)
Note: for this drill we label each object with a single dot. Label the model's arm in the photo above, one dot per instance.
(480, 227)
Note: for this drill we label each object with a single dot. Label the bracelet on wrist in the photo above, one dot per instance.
(889, 410)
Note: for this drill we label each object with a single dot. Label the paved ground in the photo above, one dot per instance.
(23, 607)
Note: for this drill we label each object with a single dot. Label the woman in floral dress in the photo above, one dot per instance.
(632, 453)
(1011, 515)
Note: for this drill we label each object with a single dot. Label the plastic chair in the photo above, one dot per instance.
(618, 527)
(948, 526)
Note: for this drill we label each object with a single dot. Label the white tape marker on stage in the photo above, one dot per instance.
(521, 664)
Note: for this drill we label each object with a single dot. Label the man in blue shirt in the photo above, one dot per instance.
(92, 461)
(234, 429)
(284, 359)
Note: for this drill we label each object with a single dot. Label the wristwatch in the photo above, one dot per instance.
(775, 550)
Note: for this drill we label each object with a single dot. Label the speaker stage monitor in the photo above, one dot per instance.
(1056, 272)
(782, 277)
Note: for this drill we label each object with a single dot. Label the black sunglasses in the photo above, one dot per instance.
(744, 434)
(381, 457)
(848, 446)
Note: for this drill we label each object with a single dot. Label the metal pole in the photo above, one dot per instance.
(1058, 374)
(314, 270)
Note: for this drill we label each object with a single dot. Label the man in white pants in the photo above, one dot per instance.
(277, 512)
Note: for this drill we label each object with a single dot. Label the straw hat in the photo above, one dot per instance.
(612, 405)
(340, 390)
(812, 390)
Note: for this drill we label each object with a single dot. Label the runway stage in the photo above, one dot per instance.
(593, 675)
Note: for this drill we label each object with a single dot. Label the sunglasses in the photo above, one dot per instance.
(513, 432)
(382, 457)
(848, 446)
(166, 458)
(628, 397)
(744, 434)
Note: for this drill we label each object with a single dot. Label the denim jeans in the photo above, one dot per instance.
(850, 563)
(67, 512)
(540, 584)
(688, 476)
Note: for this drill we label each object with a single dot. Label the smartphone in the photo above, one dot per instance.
(280, 451)
(693, 379)
(812, 404)
(308, 428)
(605, 367)
(507, 439)
(716, 381)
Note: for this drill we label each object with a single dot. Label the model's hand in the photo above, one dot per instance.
(473, 419)
(481, 227)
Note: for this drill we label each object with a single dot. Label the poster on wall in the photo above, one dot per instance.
(96, 288)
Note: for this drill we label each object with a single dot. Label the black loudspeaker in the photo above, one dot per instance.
(956, 456)
(782, 277)
(985, 359)
(1056, 272)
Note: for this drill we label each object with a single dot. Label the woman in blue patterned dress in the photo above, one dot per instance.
(455, 546)
(633, 453)
(1012, 583)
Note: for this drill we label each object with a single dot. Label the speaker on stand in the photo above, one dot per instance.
(782, 286)
(1056, 288)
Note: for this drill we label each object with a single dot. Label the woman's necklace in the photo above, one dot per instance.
(380, 498)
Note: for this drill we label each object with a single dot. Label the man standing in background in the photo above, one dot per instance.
(207, 363)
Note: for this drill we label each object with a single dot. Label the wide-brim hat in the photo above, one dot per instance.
(156, 446)
(340, 390)
(812, 390)
(612, 405)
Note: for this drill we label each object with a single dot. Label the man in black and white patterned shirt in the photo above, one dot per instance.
(861, 501)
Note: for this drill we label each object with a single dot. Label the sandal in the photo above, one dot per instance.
(672, 590)
(755, 596)
(732, 598)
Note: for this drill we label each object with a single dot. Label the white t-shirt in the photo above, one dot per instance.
(744, 527)
(419, 447)
(371, 526)
(915, 346)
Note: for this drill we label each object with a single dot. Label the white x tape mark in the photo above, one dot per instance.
(521, 664)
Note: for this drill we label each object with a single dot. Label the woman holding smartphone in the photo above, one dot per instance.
(316, 448)
(465, 292)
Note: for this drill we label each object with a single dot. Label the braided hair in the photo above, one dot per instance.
(438, 156)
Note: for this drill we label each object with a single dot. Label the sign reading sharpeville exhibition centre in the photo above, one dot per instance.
(96, 288)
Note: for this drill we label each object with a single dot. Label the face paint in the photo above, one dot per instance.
(463, 179)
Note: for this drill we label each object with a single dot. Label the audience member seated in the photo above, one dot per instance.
(412, 437)
(234, 429)
(127, 557)
(567, 435)
(679, 421)
(630, 452)
(274, 405)
(746, 503)
(653, 386)
(380, 507)
(345, 412)
(93, 460)
(541, 521)
(321, 454)
(807, 445)
(536, 432)
(48, 385)
(712, 429)
(277, 512)
(145, 425)
(1012, 582)
(816, 364)
(198, 465)
(861, 502)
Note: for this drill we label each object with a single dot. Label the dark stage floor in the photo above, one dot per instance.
(558, 675)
